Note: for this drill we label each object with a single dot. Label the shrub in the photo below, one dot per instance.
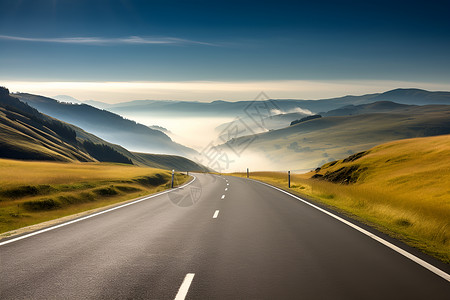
(109, 191)
(26, 190)
(127, 189)
(43, 204)
(154, 180)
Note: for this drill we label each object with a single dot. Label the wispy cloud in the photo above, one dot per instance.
(131, 40)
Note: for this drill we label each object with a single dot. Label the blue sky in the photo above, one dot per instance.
(225, 41)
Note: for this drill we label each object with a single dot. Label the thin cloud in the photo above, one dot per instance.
(131, 40)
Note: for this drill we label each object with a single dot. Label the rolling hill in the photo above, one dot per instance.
(408, 166)
(245, 124)
(403, 185)
(400, 188)
(312, 143)
(238, 109)
(27, 134)
(376, 107)
(108, 126)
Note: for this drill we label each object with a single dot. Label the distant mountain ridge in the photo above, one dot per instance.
(27, 134)
(410, 96)
(108, 126)
(236, 109)
(375, 107)
(67, 99)
(312, 143)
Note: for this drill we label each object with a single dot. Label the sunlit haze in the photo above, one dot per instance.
(114, 92)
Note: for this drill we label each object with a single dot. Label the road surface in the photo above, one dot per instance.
(217, 238)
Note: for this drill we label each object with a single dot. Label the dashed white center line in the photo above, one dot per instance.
(228, 184)
(226, 189)
(216, 213)
(184, 288)
(223, 196)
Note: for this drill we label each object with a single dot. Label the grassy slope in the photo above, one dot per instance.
(403, 189)
(34, 192)
(107, 125)
(23, 138)
(313, 143)
(28, 139)
(170, 162)
(160, 161)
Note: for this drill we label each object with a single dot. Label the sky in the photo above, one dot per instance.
(123, 50)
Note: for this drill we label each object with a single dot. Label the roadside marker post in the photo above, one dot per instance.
(289, 179)
(173, 173)
(247, 172)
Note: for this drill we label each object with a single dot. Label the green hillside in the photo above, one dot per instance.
(27, 134)
(168, 162)
(400, 187)
(108, 126)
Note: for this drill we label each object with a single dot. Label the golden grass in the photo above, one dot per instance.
(404, 192)
(72, 187)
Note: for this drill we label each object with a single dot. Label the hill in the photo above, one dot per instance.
(376, 107)
(408, 167)
(238, 109)
(400, 188)
(412, 180)
(312, 143)
(246, 124)
(27, 134)
(414, 97)
(67, 99)
(108, 126)
(168, 162)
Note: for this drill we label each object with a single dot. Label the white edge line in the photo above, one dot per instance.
(94, 215)
(216, 213)
(412, 257)
(184, 288)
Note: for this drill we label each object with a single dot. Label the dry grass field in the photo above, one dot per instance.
(401, 188)
(32, 192)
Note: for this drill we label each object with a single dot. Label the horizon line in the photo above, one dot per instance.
(207, 91)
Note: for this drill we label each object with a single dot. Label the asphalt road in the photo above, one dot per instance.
(236, 238)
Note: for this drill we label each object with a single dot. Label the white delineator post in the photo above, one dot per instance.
(173, 173)
(289, 179)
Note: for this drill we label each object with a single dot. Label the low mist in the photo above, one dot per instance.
(193, 132)
(202, 134)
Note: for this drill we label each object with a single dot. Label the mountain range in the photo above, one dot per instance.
(108, 126)
(348, 124)
(345, 131)
(240, 108)
(26, 133)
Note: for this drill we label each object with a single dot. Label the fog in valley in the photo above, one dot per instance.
(208, 136)
(193, 132)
